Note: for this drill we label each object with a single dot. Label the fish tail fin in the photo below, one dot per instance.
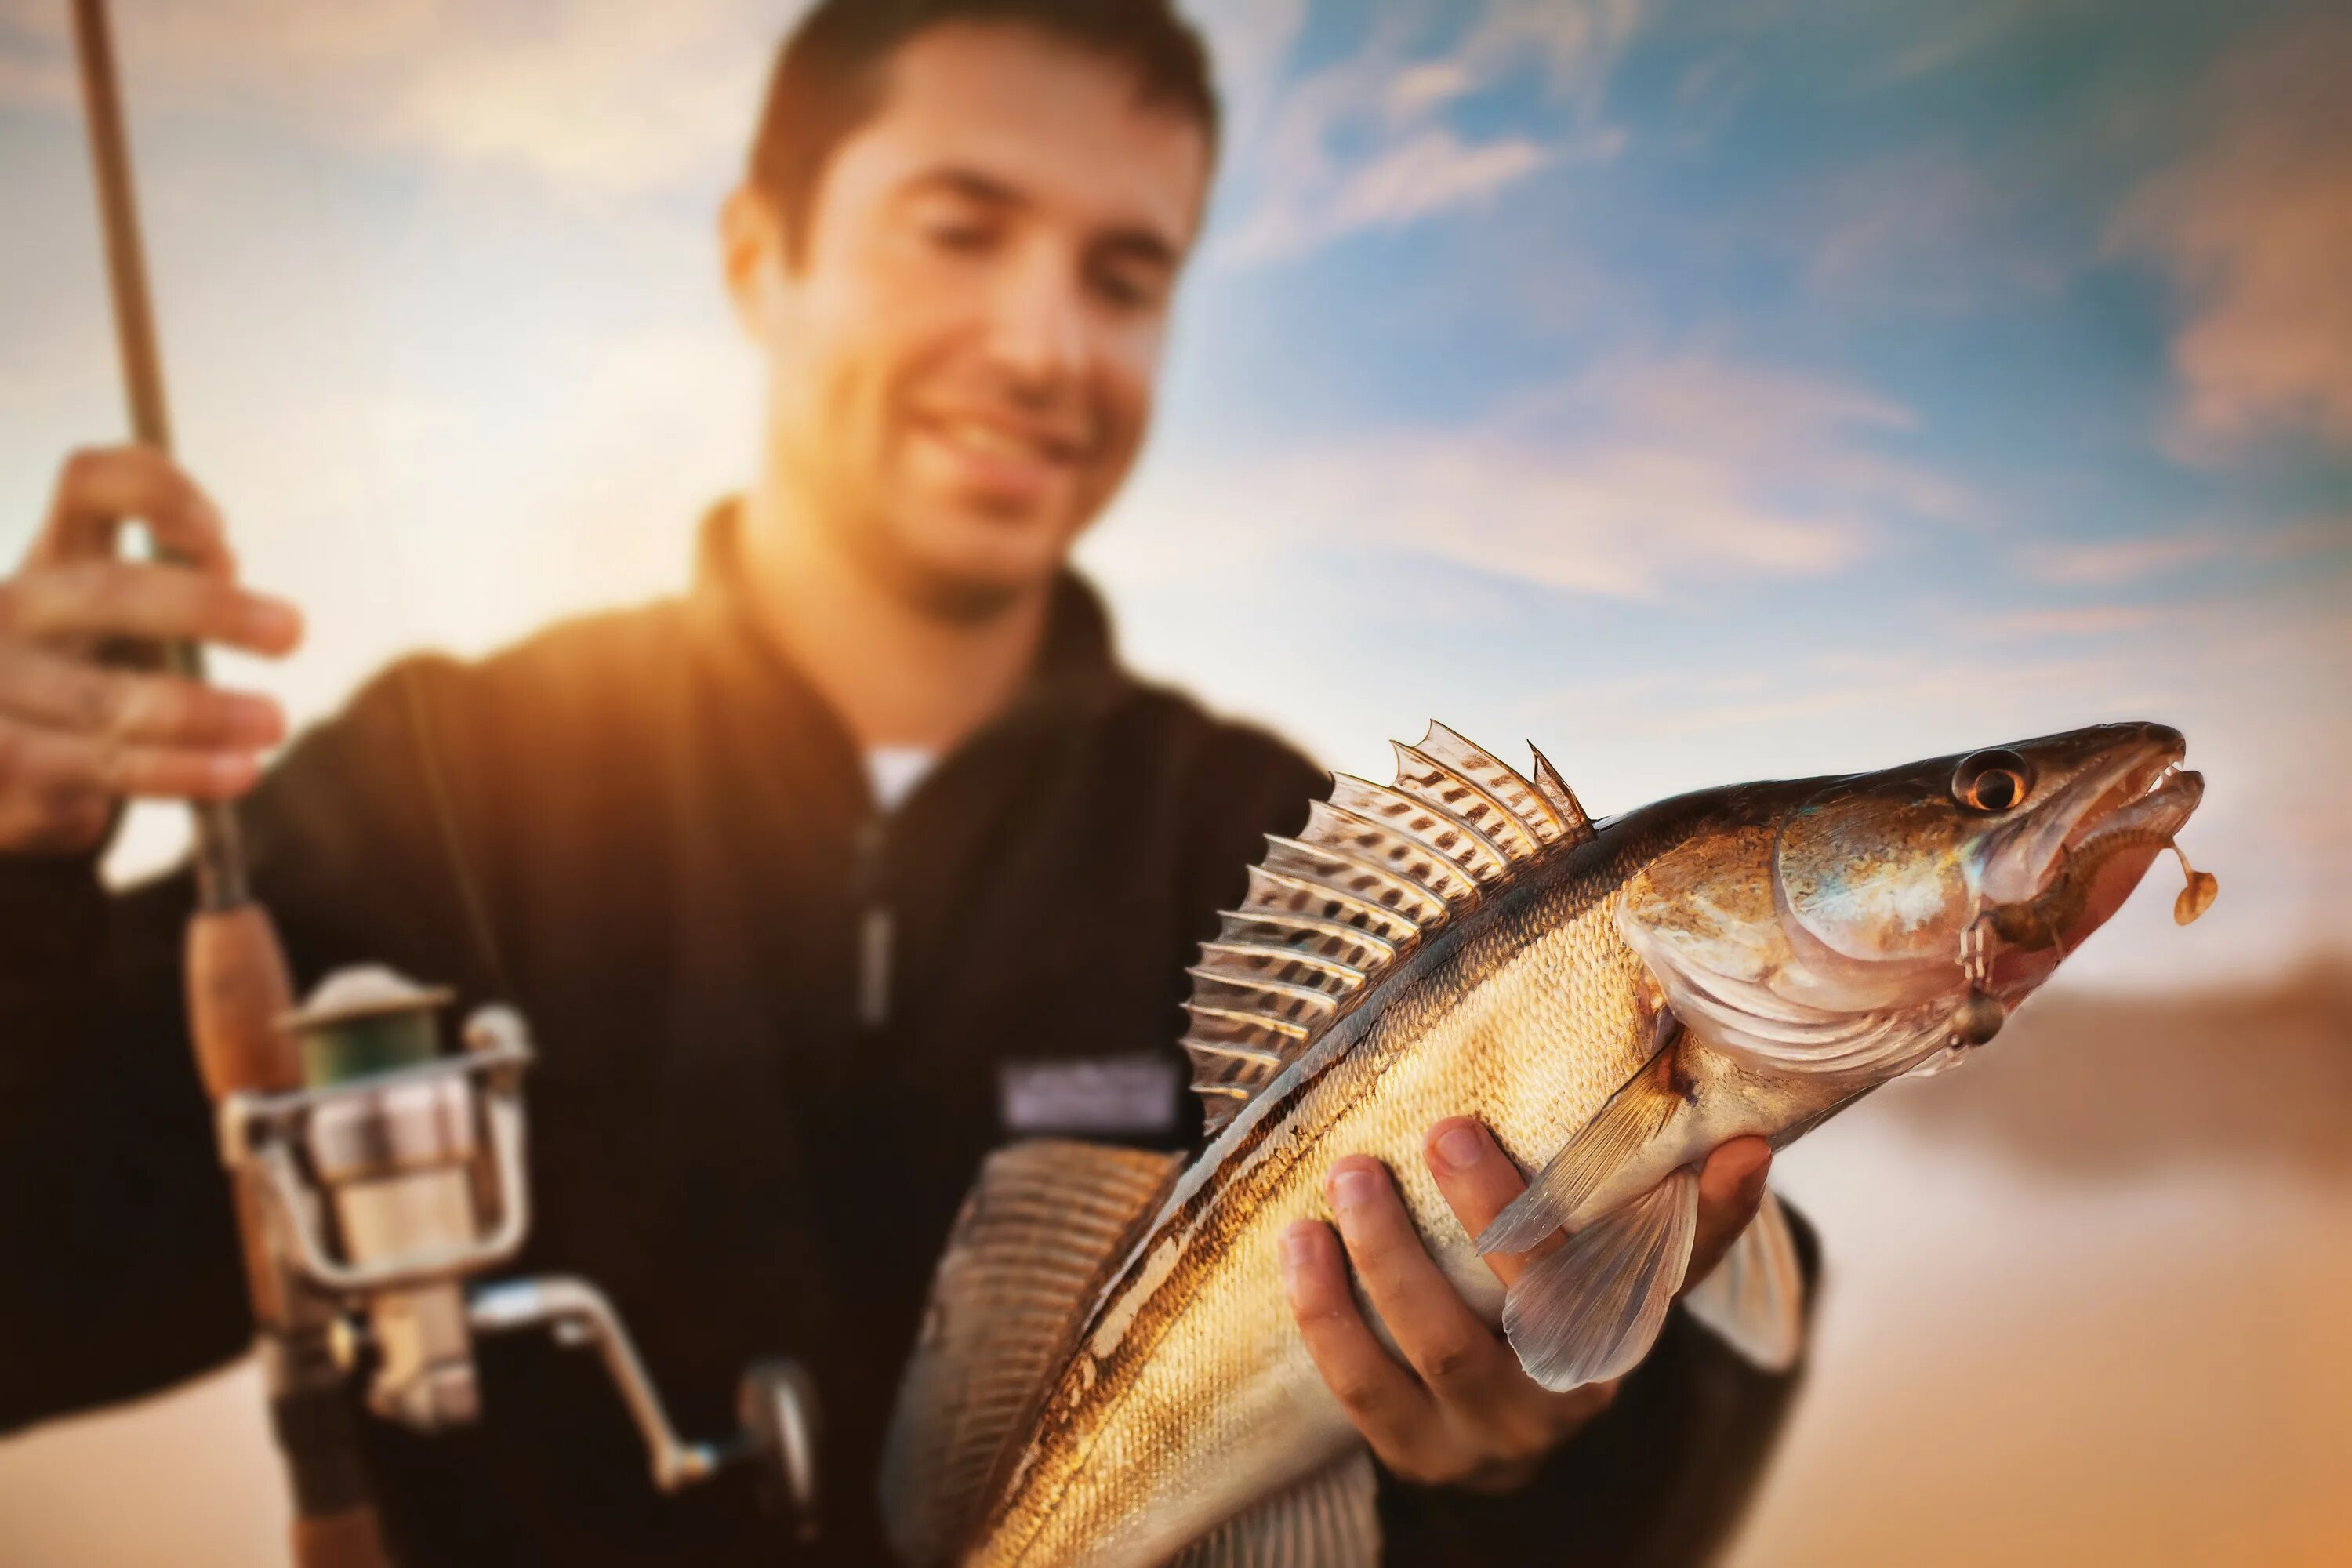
(1042, 1226)
(1755, 1300)
(1589, 1310)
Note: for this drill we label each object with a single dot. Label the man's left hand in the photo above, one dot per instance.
(1458, 1411)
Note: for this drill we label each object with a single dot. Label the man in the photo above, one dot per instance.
(788, 874)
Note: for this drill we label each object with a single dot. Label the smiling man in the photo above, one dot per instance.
(857, 861)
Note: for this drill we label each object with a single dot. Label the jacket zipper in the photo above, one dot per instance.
(874, 924)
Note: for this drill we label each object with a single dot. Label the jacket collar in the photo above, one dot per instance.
(1078, 675)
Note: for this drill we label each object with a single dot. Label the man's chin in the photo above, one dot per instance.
(973, 569)
(973, 587)
(966, 600)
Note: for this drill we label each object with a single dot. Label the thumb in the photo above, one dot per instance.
(1730, 1186)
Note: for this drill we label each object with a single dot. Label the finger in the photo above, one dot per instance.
(97, 488)
(54, 822)
(55, 766)
(1458, 1357)
(160, 604)
(1381, 1398)
(1730, 1186)
(1572, 1408)
(1479, 1180)
(56, 692)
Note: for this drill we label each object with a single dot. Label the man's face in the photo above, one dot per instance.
(960, 365)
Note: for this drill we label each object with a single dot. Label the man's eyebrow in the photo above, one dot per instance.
(970, 183)
(1128, 242)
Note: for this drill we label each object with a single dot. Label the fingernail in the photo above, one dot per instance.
(272, 622)
(1461, 1148)
(251, 718)
(1353, 1186)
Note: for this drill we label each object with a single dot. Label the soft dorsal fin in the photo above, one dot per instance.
(1044, 1226)
(1378, 869)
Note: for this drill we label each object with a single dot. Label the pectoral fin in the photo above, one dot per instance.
(1636, 1114)
(1327, 1521)
(1590, 1309)
(1755, 1297)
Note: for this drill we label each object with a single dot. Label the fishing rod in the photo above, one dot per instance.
(236, 979)
(375, 1173)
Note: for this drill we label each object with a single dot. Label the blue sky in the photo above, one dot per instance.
(1702, 391)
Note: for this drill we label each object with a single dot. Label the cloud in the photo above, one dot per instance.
(1250, 44)
(2076, 621)
(2107, 562)
(1934, 227)
(2254, 229)
(2131, 559)
(594, 99)
(1645, 479)
(1373, 141)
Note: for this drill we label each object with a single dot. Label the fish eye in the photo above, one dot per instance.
(1992, 781)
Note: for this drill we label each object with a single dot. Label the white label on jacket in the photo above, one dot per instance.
(1104, 1095)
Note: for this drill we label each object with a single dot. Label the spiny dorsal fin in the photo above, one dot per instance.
(1377, 870)
(1042, 1226)
(1563, 799)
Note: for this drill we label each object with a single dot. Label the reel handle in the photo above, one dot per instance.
(776, 1405)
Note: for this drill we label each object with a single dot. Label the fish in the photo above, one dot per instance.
(1107, 1373)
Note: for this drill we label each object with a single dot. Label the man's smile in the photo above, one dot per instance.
(1010, 457)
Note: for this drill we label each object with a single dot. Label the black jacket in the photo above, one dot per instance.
(771, 1023)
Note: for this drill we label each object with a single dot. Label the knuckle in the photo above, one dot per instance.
(107, 706)
(109, 763)
(106, 588)
(1452, 1359)
(100, 706)
(1417, 1466)
(83, 467)
(1318, 1314)
(1363, 1396)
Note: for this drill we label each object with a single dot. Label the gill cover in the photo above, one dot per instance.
(1766, 935)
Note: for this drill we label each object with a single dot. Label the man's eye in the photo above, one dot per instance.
(963, 238)
(1126, 291)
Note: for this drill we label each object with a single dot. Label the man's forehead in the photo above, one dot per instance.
(1059, 125)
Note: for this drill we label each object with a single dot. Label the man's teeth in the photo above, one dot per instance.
(993, 441)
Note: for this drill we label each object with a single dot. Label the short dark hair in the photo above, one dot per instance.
(829, 77)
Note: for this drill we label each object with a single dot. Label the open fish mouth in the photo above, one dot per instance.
(2096, 840)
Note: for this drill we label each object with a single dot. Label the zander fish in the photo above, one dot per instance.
(1108, 1374)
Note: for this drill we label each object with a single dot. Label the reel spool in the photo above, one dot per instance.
(396, 1175)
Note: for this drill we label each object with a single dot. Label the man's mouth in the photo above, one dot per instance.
(995, 441)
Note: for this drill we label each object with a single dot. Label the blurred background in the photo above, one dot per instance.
(1702, 390)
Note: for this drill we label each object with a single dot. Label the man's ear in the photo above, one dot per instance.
(751, 253)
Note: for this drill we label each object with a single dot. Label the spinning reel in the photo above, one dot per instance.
(394, 1178)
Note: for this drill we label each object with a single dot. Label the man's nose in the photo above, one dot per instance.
(1037, 331)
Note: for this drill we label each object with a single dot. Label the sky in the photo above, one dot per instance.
(1703, 391)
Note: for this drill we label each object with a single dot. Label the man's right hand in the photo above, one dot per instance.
(79, 735)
